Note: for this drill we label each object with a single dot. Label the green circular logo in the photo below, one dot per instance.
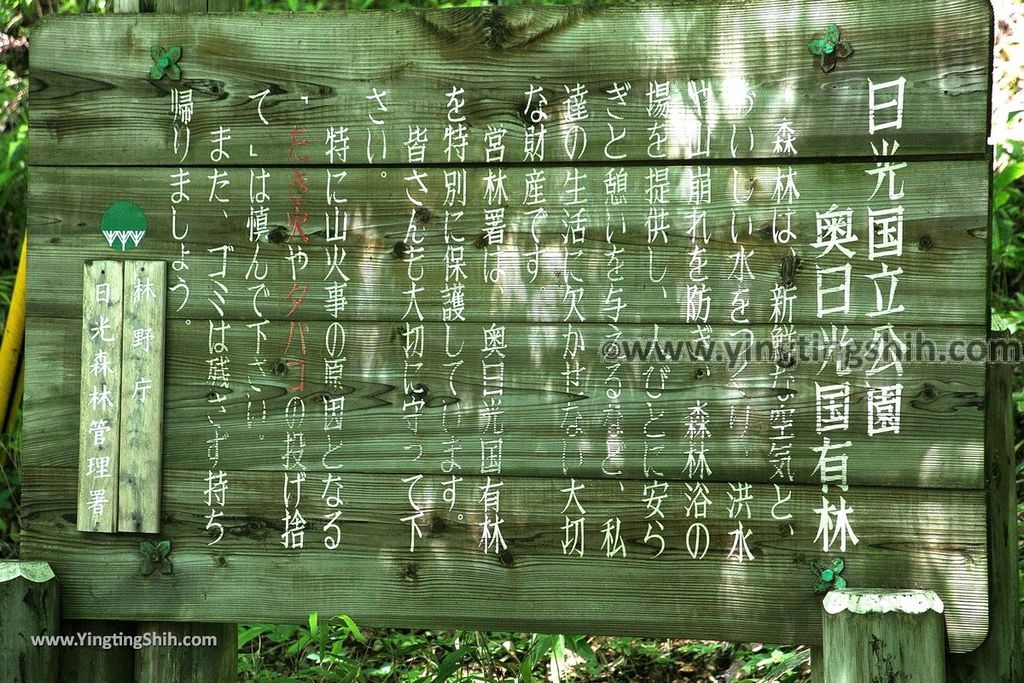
(123, 225)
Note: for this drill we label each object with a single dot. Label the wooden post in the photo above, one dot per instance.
(126, 6)
(215, 663)
(883, 635)
(94, 663)
(998, 660)
(29, 606)
(817, 665)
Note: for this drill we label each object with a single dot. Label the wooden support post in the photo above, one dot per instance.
(817, 665)
(883, 635)
(29, 606)
(998, 659)
(225, 5)
(214, 663)
(96, 663)
(126, 6)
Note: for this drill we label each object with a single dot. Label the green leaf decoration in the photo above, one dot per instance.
(830, 48)
(165, 62)
(155, 556)
(828, 574)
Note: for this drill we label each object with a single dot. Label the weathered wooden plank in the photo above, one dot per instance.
(126, 6)
(278, 101)
(101, 109)
(30, 604)
(216, 662)
(142, 397)
(880, 635)
(945, 231)
(999, 659)
(178, 6)
(100, 392)
(817, 664)
(925, 539)
(93, 663)
(937, 398)
(225, 5)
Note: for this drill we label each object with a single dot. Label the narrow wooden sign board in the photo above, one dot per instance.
(433, 281)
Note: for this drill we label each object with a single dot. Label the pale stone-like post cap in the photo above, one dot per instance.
(881, 601)
(36, 572)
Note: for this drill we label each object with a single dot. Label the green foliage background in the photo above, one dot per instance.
(335, 648)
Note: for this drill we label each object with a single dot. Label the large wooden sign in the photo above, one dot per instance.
(589, 320)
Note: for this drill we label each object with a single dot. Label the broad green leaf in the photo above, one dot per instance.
(1000, 198)
(314, 620)
(451, 663)
(352, 628)
(1009, 175)
(246, 636)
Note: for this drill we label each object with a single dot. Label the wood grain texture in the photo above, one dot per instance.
(30, 605)
(945, 231)
(999, 659)
(173, 663)
(92, 664)
(178, 6)
(817, 665)
(921, 539)
(99, 443)
(936, 398)
(896, 645)
(142, 397)
(225, 5)
(101, 108)
(126, 6)
(103, 131)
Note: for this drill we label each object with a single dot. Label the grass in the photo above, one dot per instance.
(337, 650)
